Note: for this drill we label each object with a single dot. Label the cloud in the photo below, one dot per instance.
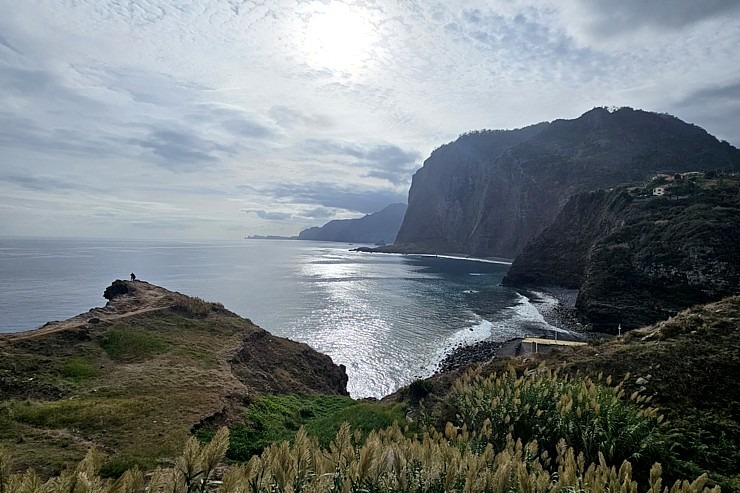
(269, 215)
(714, 94)
(717, 106)
(182, 150)
(388, 162)
(528, 39)
(247, 129)
(317, 213)
(4, 42)
(608, 18)
(149, 87)
(23, 133)
(332, 195)
(291, 118)
(42, 183)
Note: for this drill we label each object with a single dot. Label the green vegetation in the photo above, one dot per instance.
(129, 344)
(683, 364)
(78, 369)
(592, 418)
(85, 414)
(276, 418)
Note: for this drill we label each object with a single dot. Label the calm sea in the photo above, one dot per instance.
(389, 318)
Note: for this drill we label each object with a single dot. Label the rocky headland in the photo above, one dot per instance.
(489, 193)
(379, 227)
(134, 377)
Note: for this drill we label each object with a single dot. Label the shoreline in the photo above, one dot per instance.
(557, 307)
(447, 255)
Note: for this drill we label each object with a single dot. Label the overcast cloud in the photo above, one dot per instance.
(219, 119)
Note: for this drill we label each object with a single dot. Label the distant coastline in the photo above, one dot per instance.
(452, 256)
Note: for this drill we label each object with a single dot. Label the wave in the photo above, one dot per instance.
(475, 259)
(480, 331)
(527, 312)
(517, 321)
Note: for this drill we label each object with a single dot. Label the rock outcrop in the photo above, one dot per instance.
(490, 192)
(639, 259)
(379, 227)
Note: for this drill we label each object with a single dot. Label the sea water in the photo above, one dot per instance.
(389, 319)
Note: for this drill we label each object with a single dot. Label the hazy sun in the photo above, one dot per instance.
(339, 37)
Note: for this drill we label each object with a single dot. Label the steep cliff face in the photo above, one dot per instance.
(488, 193)
(380, 226)
(637, 260)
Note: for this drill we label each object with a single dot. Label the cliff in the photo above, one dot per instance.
(378, 227)
(490, 192)
(637, 258)
(134, 377)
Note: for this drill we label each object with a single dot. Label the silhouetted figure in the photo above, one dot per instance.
(133, 276)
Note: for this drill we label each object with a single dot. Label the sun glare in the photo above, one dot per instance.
(339, 37)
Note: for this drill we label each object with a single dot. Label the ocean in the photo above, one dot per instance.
(390, 319)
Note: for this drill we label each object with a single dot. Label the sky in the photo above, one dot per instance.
(217, 119)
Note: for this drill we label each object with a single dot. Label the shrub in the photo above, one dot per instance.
(78, 369)
(419, 389)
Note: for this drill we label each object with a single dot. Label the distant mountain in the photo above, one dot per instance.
(379, 227)
(490, 192)
(637, 258)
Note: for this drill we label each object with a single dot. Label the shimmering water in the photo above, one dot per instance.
(388, 318)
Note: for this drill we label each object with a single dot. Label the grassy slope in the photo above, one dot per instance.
(690, 363)
(135, 385)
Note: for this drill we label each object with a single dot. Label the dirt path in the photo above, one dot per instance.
(143, 298)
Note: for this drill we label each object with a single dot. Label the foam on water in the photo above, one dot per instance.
(528, 313)
(480, 331)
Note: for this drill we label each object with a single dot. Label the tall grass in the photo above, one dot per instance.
(387, 461)
(194, 306)
(593, 417)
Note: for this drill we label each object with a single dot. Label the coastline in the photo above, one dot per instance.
(557, 307)
(446, 255)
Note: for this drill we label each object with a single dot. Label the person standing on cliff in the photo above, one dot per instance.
(133, 276)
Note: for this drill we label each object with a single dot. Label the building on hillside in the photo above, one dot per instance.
(659, 191)
(665, 175)
(692, 174)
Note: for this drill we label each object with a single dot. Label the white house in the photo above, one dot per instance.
(658, 191)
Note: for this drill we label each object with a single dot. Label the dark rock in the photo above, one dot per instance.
(117, 288)
(270, 364)
(638, 261)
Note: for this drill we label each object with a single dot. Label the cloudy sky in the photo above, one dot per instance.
(222, 118)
